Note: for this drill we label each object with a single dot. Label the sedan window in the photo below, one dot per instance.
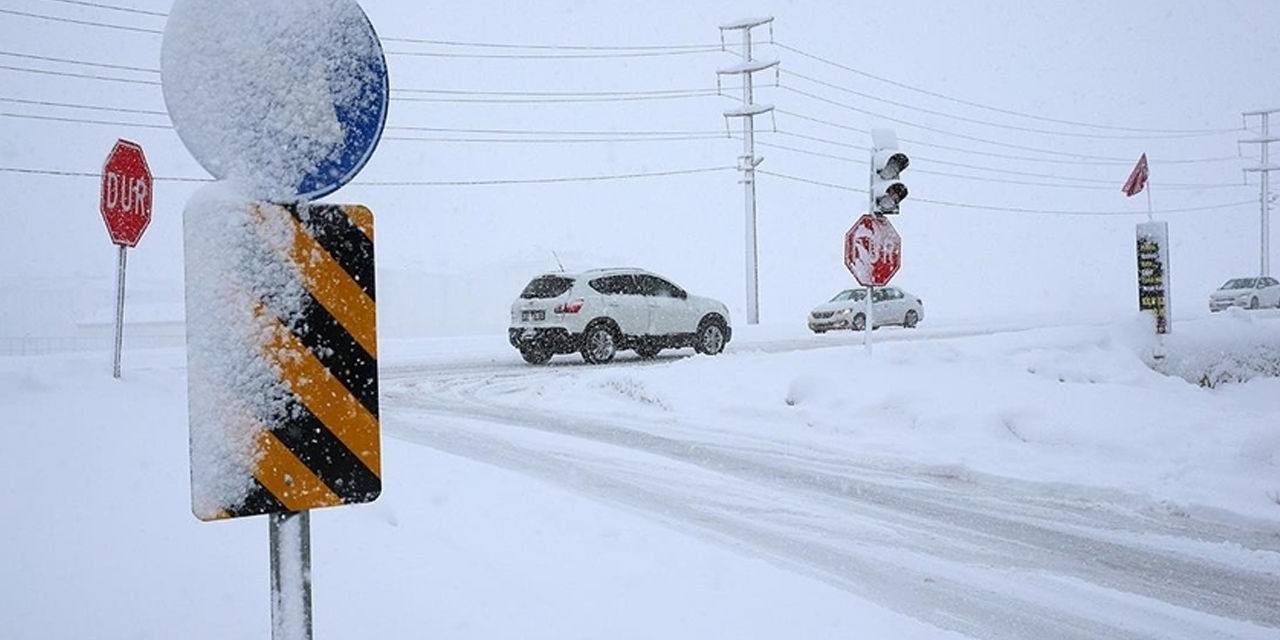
(1239, 283)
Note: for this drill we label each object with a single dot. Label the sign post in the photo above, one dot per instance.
(125, 206)
(873, 254)
(281, 314)
(1153, 277)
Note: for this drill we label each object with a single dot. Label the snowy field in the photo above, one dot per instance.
(958, 483)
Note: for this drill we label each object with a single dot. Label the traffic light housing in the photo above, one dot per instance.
(887, 191)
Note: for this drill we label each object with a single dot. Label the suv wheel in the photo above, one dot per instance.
(911, 320)
(859, 322)
(1253, 304)
(599, 344)
(535, 355)
(711, 338)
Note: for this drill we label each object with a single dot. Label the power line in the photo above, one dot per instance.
(112, 7)
(69, 74)
(90, 23)
(1110, 184)
(510, 181)
(552, 100)
(1092, 159)
(558, 94)
(1086, 161)
(984, 207)
(418, 183)
(1011, 127)
(714, 46)
(557, 140)
(979, 105)
(552, 56)
(31, 56)
(75, 105)
(29, 116)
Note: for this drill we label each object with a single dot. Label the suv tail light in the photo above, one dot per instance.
(570, 307)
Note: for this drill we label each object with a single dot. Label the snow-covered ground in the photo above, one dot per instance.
(959, 482)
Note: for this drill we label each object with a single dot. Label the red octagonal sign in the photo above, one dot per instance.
(872, 251)
(126, 193)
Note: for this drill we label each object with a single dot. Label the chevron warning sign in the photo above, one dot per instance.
(282, 358)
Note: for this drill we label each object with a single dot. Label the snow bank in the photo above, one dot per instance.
(1074, 405)
(239, 280)
(255, 89)
(1240, 346)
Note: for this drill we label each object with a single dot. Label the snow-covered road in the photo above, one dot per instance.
(969, 552)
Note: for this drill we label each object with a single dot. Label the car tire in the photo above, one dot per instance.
(711, 337)
(599, 344)
(911, 320)
(648, 351)
(859, 323)
(535, 355)
(1253, 304)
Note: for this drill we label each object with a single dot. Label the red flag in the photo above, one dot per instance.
(1138, 179)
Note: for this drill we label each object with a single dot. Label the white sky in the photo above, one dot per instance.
(1144, 64)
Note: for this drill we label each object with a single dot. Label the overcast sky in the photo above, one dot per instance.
(1146, 65)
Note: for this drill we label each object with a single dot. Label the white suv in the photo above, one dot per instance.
(597, 313)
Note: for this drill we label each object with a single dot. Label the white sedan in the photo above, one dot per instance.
(1250, 293)
(890, 306)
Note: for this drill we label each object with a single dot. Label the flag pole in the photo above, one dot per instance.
(1150, 212)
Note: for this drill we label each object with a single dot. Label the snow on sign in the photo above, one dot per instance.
(285, 99)
(872, 251)
(282, 356)
(126, 193)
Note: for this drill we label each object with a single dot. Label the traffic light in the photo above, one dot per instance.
(886, 189)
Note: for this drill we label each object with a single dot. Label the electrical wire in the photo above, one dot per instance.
(69, 74)
(76, 105)
(112, 7)
(417, 183)
(984, 207)
(103, 65)
(1091, 159)
(968, 103)
(90, 23)
(552, 56)
(1099, 136)
(1111, 184)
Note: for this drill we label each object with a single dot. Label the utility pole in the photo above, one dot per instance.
(1265, 168)
(748, 162)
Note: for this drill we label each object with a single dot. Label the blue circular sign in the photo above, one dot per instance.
(286, 100)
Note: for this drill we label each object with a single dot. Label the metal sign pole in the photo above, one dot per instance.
(870, 321)
(120, 267)
(290, 535)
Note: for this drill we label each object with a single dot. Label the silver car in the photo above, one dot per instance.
(890, 306)
(1250, 293)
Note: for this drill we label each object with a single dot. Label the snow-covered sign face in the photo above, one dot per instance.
(284, 98)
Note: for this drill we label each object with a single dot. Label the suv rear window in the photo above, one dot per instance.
(547, 287)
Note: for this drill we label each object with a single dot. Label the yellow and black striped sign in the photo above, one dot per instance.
(322, 448)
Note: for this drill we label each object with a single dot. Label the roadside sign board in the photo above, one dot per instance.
(1153, 273)
(872, 251)
(126, 193)
(286, 99)
(282, 360)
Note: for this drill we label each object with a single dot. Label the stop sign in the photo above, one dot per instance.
(872, 251)
(126, 193)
